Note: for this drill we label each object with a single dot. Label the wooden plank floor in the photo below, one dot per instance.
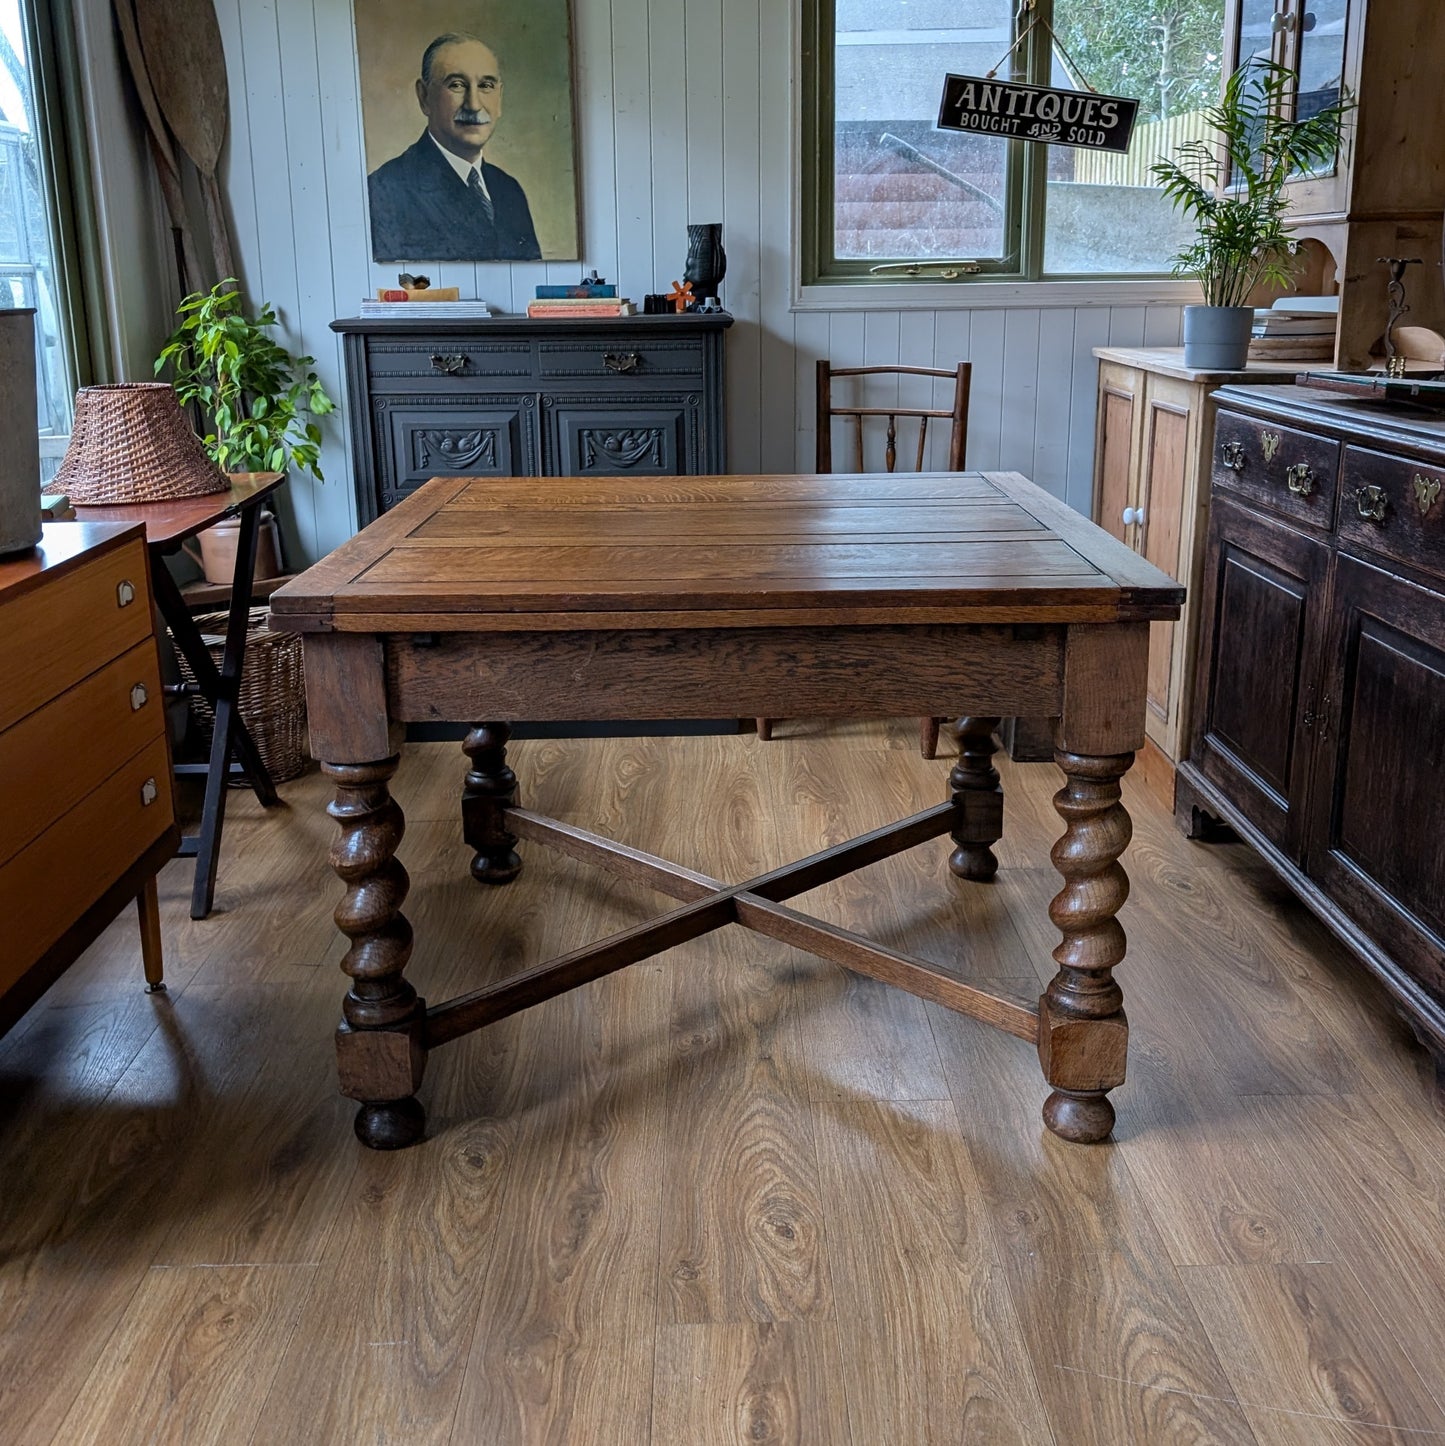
(731, 1195)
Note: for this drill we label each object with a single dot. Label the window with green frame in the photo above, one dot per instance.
(887, 196)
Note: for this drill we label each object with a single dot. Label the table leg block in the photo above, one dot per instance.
(380, 1064)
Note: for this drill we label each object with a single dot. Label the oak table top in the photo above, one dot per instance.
(486, 601)
(482, 554)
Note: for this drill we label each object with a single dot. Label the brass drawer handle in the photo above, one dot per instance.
(1232, 455)
(620, 361)
(125, 593)
(149, 793)
(448, 363)
(1427, 492)
(1370, 503)
(1300, 479)
(139, 697)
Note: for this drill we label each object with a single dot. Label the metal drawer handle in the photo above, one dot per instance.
(449, 364)
(1300, 479)
(1232, 455)
(149, 793)
(1427, 492)
(139, 697)
(125, 593)
(1370, 503)
(620, 361)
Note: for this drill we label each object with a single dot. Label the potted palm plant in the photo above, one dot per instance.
(1233, 188)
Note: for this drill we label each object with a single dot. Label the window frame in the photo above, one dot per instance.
(822, 281)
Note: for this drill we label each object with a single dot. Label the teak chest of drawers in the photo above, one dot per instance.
(85, 764)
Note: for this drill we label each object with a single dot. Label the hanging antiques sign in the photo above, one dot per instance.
(1005, 108)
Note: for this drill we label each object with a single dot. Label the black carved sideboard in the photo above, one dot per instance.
(1319, 717)
(526, 397)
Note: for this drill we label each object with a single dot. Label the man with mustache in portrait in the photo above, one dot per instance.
(439, 200)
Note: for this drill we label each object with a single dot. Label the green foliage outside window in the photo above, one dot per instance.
(1164, 53)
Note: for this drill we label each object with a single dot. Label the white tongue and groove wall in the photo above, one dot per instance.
(684, 109)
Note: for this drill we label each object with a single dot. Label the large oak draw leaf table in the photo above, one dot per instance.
(972, 594)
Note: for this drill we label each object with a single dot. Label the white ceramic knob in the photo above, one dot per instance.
(1133, 515)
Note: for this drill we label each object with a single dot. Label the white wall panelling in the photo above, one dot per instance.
(685, 110)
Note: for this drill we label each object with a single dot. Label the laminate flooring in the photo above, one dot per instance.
(732, 1194)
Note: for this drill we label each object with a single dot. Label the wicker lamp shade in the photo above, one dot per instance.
(132, 443)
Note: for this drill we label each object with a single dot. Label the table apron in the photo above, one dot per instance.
(687, 673)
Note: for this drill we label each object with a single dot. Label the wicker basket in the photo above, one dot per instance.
(273, 692)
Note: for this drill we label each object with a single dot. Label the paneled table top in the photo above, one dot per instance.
(975, 594)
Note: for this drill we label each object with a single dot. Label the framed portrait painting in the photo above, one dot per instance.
(466, 109)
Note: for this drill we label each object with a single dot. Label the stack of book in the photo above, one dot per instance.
(584, 299)
(437, 303)
(1290, 334)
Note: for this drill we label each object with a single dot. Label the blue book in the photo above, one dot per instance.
(579, 291)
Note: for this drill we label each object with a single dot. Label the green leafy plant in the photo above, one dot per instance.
(1233, 189)
(259, 400)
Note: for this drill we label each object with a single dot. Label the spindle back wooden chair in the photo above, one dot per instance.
(957, 417)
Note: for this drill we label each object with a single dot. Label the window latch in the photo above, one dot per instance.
(943, 270)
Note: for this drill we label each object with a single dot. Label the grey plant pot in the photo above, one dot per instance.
(19, 434)
(1216, 338)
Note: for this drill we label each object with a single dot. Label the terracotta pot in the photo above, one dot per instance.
(217, 558)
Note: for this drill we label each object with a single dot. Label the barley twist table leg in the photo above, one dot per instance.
(379, 1045)
(1083, 1033)
(978, 798)
(491, 788)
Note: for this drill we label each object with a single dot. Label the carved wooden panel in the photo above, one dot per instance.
(1263, 595)
(1383, 849)
(592, 439)
(430, 436)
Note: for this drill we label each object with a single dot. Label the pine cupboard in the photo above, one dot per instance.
(1319, 720)
(1153, 437)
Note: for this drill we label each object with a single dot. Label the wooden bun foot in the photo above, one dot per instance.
(499, 868)
(975, 863)
(1082, 1119)
(391, 1124)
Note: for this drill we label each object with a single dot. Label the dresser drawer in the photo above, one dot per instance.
(52, 637)
(58, 876)
(1394, 506)
(448, 361)
(50, 760)
(1292, 473)
(618, 357)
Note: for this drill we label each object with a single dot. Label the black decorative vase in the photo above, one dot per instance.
(707, 262)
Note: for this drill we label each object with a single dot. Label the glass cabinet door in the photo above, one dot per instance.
(1319, 47)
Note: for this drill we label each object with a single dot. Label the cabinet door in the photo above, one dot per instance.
(421, 437)
(1378, 844)
(1115, 448)
(1256, 694)
(1170, 443)
(647, 436)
